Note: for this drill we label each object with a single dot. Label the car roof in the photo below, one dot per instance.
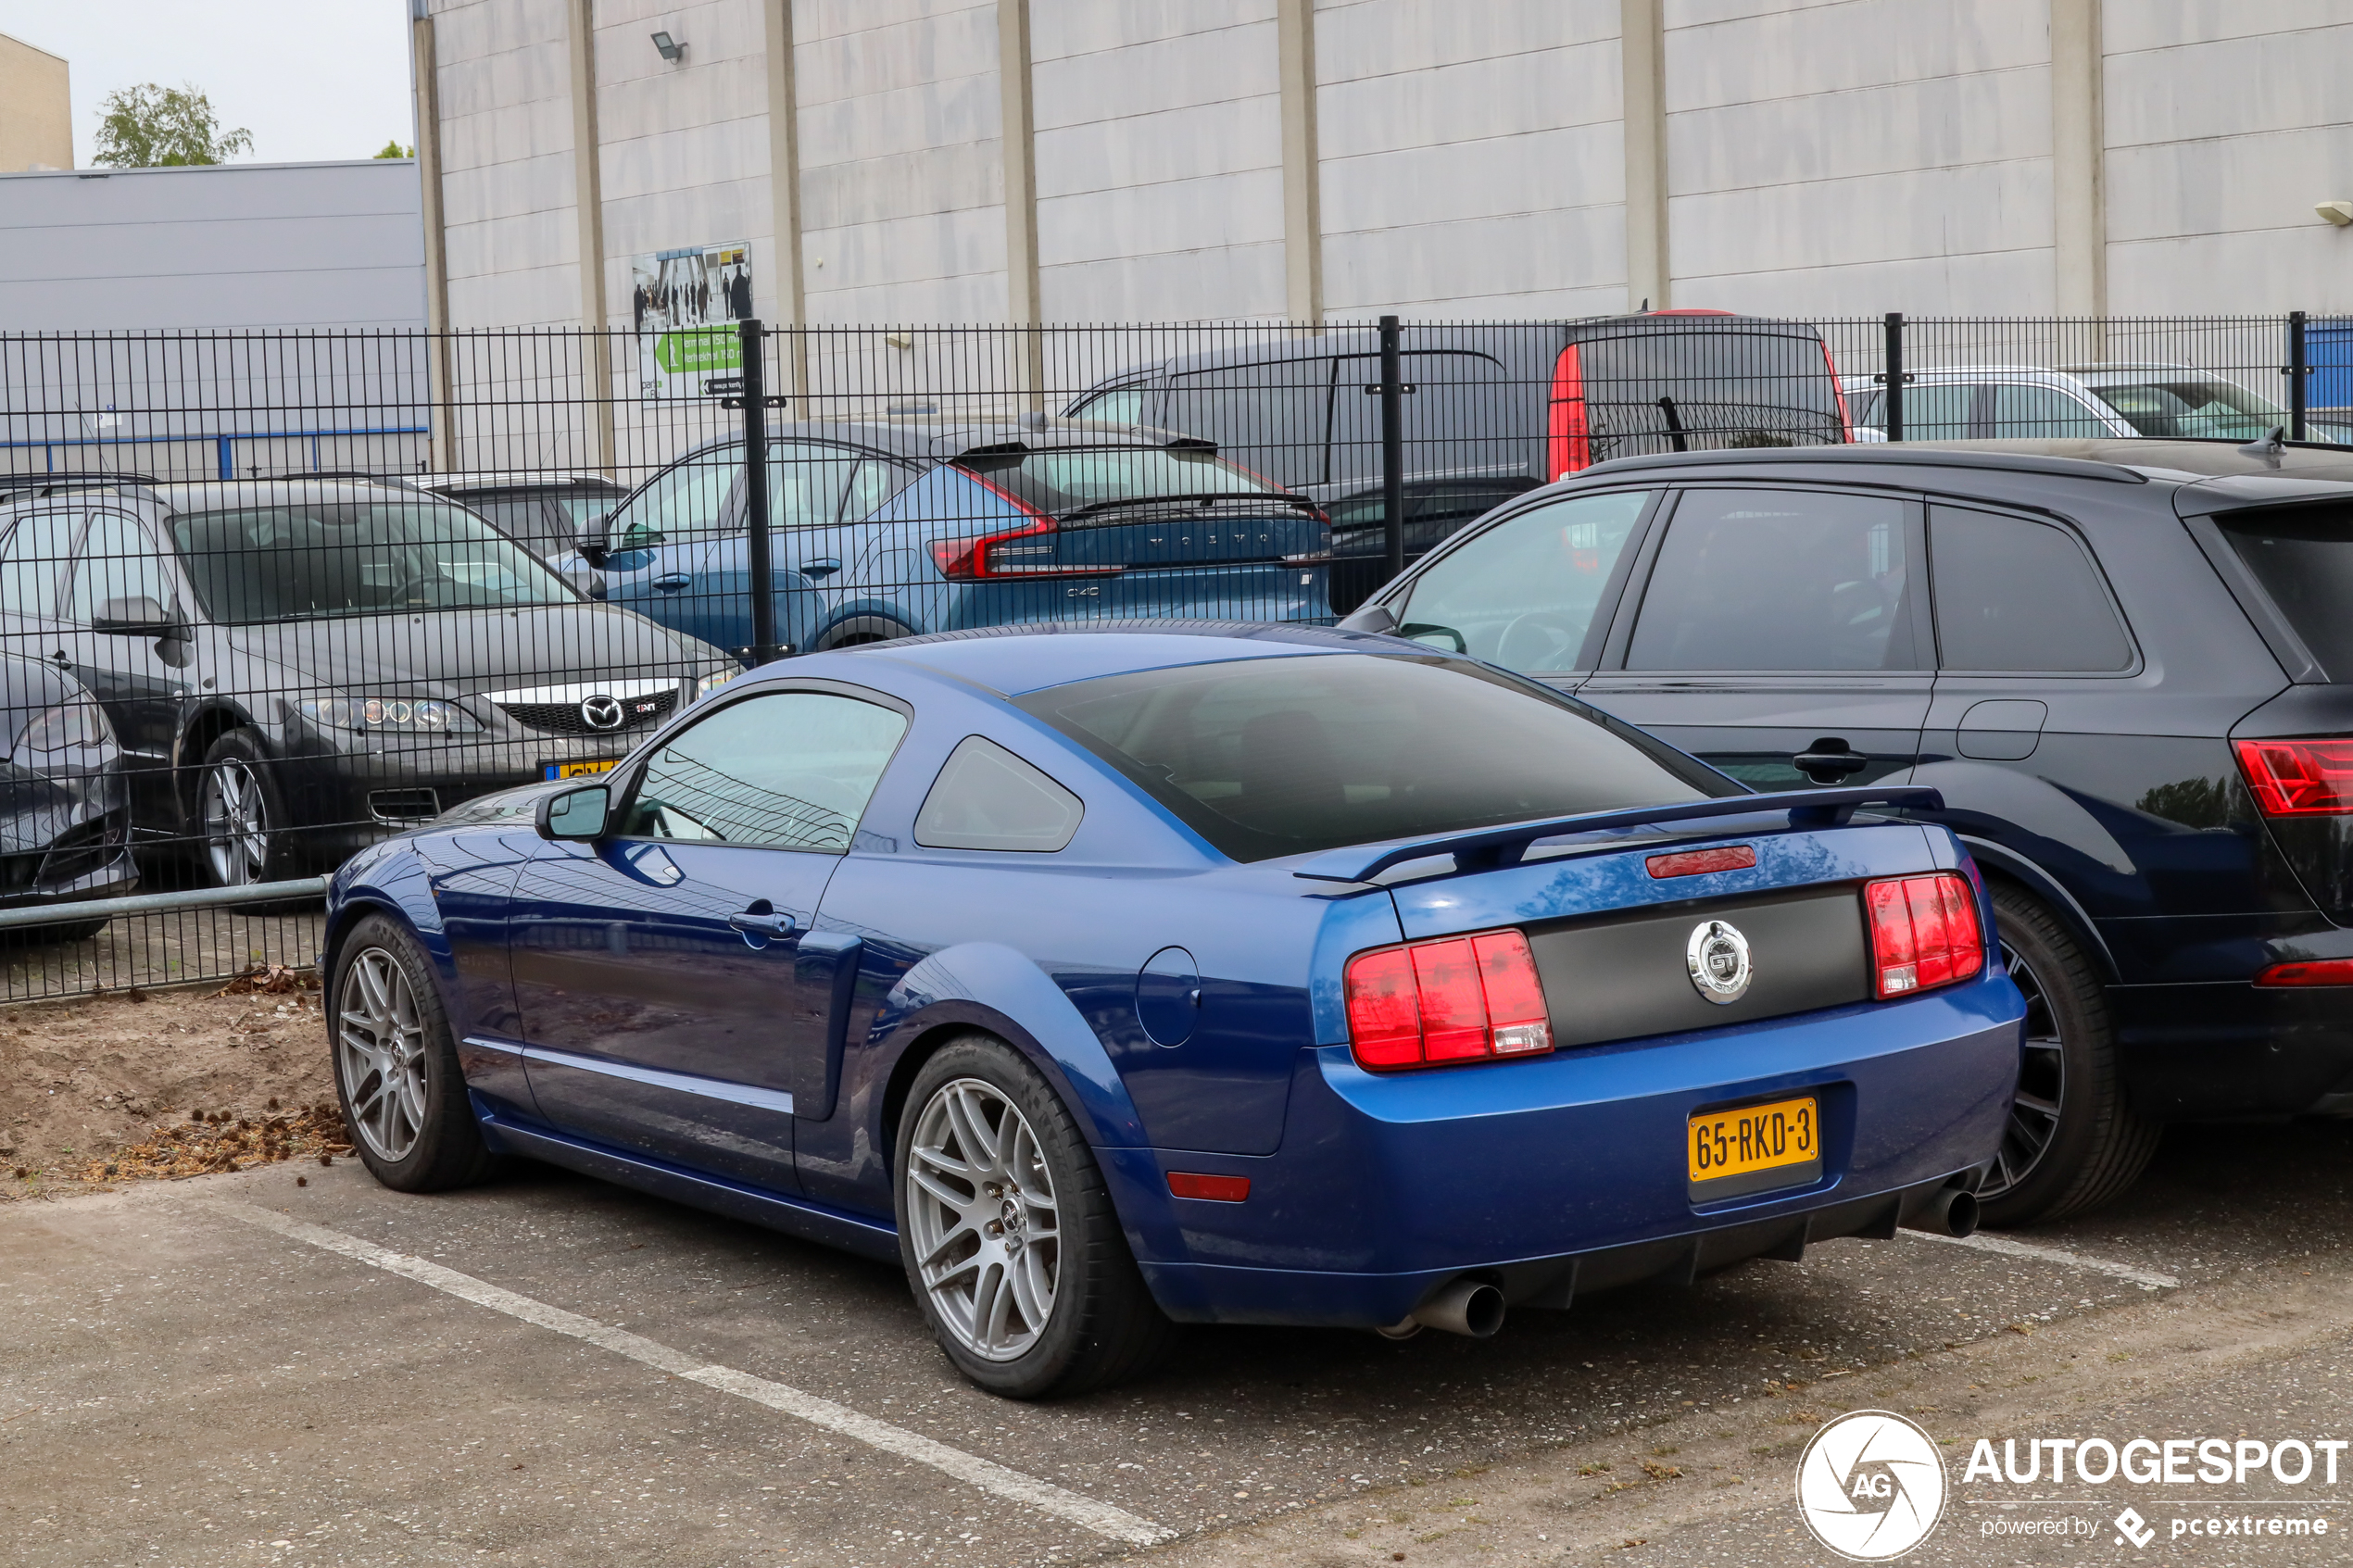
(1013, 660)
(2118, 459)
(930, 438)
(521, 479)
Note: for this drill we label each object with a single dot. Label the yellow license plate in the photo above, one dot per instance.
(577, 770)
(1755, 1137)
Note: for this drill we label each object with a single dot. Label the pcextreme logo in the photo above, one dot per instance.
(1870, 1485)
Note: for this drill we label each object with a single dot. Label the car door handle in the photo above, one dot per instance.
(820, 567)
(670, 583)
(1820, 758)
(762, 923)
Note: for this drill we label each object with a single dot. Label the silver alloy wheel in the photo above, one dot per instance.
(236, 822)
(380, 1054)
(2042, 1086)
(980, 1210)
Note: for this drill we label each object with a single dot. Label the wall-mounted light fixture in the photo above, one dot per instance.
(2338, 213)
(670, 48)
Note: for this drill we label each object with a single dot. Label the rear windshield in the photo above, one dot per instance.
(1269, 756)
(301, 561)
(2193, 407)
(2303, 558)
(1108, 480)
(1707, 390)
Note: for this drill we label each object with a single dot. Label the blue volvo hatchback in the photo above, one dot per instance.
(1114, 979)
(891, 528)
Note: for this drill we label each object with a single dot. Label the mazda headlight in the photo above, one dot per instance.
(395, 715)
(69, 726)
(716, 680)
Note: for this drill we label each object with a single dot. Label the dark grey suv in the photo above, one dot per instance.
(2128, 666)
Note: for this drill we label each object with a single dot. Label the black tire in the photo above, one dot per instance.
(2072, 1142)
(240, 821)
(1102, 1325)
(446, 1150)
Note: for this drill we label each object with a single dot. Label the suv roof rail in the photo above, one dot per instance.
(40, 484)
(364, 476)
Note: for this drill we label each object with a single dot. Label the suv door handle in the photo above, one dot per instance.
(820, 567)
(1832, 755)
(761, 920)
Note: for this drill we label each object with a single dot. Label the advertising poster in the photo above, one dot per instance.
(686, 305)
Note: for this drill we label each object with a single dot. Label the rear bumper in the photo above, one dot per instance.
(1568, 1175)
(2231, 1050)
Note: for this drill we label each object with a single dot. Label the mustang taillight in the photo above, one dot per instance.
(1924, 933)
(2300, 778)
(1454, 999)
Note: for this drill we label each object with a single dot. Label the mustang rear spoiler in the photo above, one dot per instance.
(1488, 849)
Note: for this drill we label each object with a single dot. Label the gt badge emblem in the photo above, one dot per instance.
(601, 712)
(1718, 957)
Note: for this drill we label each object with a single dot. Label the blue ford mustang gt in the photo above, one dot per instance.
(1115, 978)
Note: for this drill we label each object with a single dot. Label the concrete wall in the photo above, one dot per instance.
(1831, 157)
(36, 108)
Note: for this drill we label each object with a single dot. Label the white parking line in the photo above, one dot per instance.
(2147, 1279)
(1099, 1517)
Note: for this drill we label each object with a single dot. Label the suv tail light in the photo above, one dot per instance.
(1567, 447)
(1924, 933)
(2311, 777)
(1453, 998)
(1845, 420)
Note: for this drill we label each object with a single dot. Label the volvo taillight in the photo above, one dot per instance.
(2308, 777)
(1449, 999)
(1568, 446)
(1924, 933)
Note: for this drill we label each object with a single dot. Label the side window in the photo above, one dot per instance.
(1120, 406)
(785, 770)
(118, 561)
(1271, 417)
(2014, 593)
(874, 482)
(34, 560)
(682, 503)
(1780, 579)
(2041, 412)
(987, 799)
(1937, 412)
(806, 482)
(1522, 594)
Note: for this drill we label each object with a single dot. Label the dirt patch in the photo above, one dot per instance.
(120, 1079)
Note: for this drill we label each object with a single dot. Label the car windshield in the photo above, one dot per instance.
(300, 560)
(1269, 756)
(1066, 479)
(2191, 407)
(2303, 558)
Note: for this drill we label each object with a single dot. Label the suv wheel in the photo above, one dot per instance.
(2072, 1142)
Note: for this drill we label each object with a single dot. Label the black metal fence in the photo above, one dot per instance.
(271, 597)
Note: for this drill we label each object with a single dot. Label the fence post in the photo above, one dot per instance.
(2296, 376)
(758, 562)
(1393, 446)
(1894, 417)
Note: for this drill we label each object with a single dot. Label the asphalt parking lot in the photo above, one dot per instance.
(239, 1369)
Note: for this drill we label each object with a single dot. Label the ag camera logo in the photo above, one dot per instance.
(1870, 1485)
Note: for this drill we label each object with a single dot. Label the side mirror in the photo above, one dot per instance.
(1370, 617)
(577, 815)
(591, 539)
(138, 616)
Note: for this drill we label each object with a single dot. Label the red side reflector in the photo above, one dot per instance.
(2308, 972)
(1692, 862)
(1451, 998)
(1924, 933)
(2300, 778)
(1217, 1189)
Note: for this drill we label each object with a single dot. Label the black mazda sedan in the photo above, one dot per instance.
(2127, 666)
(296, 668)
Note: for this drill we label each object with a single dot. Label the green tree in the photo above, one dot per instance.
(394, 149)
(152, 127)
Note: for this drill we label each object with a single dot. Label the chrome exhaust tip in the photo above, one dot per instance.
(1468, 1307)
(1952, 1212)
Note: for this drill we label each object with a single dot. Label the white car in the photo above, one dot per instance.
(2085, 402)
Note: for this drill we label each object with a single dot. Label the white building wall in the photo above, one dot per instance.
(507, 172)
(1159, 159)
(1473, 163)
(1855, 157)
(2226, 122)
(901, 179)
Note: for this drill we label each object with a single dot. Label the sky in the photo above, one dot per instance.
(313, 80)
